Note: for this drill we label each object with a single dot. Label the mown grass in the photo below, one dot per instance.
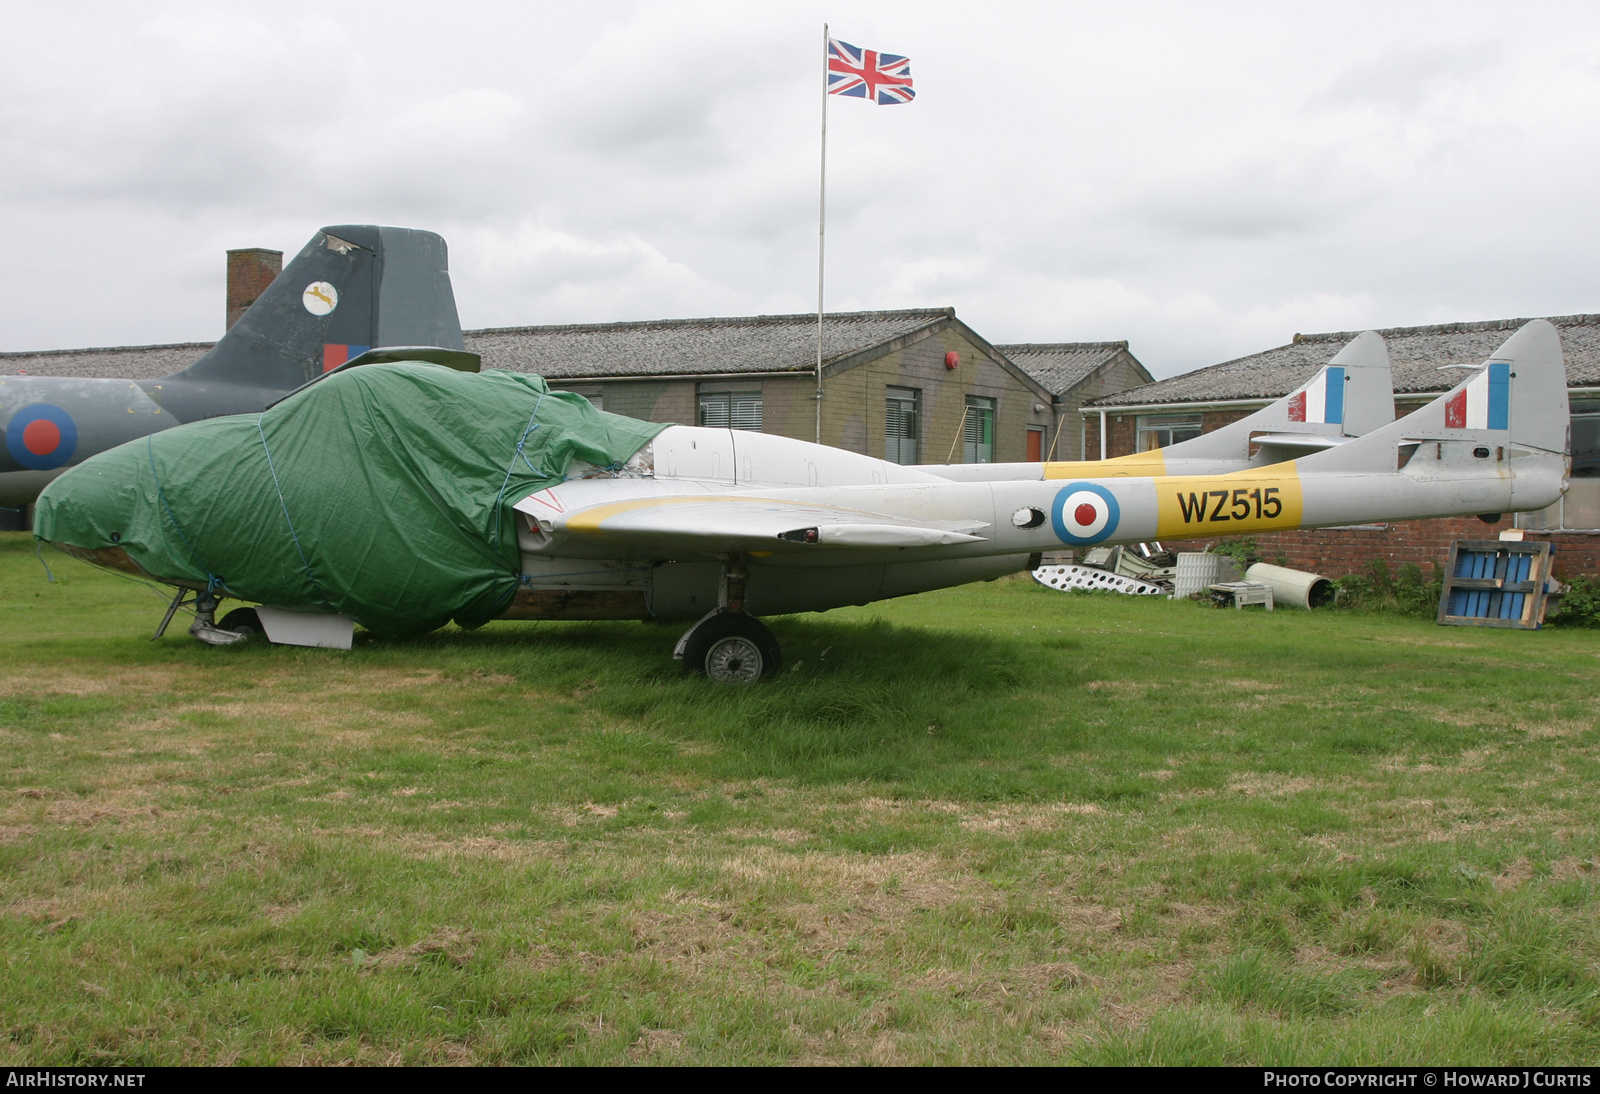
(993, 824)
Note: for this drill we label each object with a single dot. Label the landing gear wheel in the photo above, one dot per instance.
(732, 648)
(243, 621)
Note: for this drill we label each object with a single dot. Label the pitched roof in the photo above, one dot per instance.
(662, 347)
(1060, 366)
(107, 363)
(1416, 355)
(686, 347)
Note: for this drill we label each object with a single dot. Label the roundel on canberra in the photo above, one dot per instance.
(41, 437)
(1084, 513)
(320, 298)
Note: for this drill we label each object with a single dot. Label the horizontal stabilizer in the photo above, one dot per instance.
(459, 359)
(1288, 446)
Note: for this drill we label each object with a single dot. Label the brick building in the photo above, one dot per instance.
(1425, 361)
(1075, 373)
(916, 386)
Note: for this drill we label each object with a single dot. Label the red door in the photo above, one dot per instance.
(1035, 445)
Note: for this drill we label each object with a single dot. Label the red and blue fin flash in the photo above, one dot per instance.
(333, 356)
(1322, 400)
(1485, 403)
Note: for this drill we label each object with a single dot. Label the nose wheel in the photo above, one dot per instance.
(730, 648)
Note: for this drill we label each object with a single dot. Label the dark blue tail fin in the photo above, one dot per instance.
(354, 287)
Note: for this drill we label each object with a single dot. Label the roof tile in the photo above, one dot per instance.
(666, 347)
(1416, 355)
(1060, 366)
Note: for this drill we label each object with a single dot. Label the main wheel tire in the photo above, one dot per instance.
(732, 648)
(242, 621)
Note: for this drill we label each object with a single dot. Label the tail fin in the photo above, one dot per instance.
(1518, 399)
(352, 288)
(1349, 397)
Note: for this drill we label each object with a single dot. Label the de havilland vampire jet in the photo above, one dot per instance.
(1349, 397)
(720, 527)
(353, 288)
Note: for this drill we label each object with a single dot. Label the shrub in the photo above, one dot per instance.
(1244, 550)
(1580, 606)
(1405, 592)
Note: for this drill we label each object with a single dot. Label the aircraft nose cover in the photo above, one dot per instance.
(384, 493)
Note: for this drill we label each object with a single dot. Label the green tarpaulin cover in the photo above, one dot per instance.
(384, 492)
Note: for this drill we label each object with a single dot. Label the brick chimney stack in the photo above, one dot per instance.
(250, 271)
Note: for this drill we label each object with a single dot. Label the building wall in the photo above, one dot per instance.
(1336, 552)
(1122, 429)
(1118, 374)
(854, 401)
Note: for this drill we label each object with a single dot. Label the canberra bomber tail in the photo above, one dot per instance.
(351, 288)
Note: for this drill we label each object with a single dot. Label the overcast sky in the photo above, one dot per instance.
(1201, 179)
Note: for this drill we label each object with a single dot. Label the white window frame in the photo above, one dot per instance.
(1162, 428)
(899, 442)
(730, 406)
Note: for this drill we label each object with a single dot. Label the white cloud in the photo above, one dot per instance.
(1203, 180)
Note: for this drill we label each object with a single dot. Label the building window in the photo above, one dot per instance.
(1165, 430)
(595, 395)
(977, 432)
(900, 425)
(1579, 510)
(724, 406)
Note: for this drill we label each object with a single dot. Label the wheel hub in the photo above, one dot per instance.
(734, 660)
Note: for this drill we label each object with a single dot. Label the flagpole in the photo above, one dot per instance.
(822, 222)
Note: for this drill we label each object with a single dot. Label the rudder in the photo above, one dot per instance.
(353, 287)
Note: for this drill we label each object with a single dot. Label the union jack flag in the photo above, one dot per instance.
(867, 74)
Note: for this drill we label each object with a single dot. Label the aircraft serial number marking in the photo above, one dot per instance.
(1265, 501)
(1225, 504)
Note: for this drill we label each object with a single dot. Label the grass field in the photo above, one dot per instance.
(993, 824)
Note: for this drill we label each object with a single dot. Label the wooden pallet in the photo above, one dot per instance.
(1495, 583)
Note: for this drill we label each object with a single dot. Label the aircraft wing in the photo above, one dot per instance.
(750, 523)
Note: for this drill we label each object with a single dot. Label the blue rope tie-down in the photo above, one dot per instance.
(517, 453)
(213, 581)
(38, 549)
(305, 562)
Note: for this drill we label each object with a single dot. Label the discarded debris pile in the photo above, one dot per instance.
(1143, 569)
(1093, 579)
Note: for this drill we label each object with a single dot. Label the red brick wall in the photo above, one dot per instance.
(250, 271)
(1119, 435)
(1216, 419)
(1122, 430)
(1336, 552)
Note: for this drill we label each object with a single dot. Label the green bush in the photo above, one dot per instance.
(1405, 592)
(1580, 607)
(1244, 550)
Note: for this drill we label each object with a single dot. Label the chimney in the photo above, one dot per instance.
(250, 271)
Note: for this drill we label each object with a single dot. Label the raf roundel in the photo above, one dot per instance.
(320, 298)
(41, 437)
(1084, 513)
